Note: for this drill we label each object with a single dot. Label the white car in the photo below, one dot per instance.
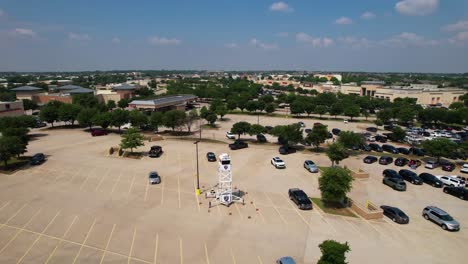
(278, 163)
(464, 168)
(370, 138)
(230, 135)
(126, 126)
(452, 181)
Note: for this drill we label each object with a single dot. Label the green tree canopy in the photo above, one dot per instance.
(290, 134)
(270, 108)
(333, 252)
(69, 112)
(103, 119)
(318, 135)
(29, 105)
(241, 128)
(10, 146)
(86, 117)
(349, 139)
(334, 184)
(398, 134)
(351, 111)
(137, 118)
(131, 139)
(320, 110)
(256, 129)
(156, 120)
(111, 104)
(50, 112)
(85, 100)
(336, 152)
(119, 117)
(439, 147)
(174, 119)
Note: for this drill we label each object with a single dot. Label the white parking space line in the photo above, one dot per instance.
(317, 210)
(297, 211)
(131, 185)
(116, 182)
(156, 249)
(107, 245)
(58, 244)
(131, 246)
(260, 260)
(84, 242)
(276, 209)
(13, 216)
(5, 205)
(19, 231)
(233, 257)
(181, 251)
(207, 255)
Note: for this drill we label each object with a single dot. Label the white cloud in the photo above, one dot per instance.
(315, 42)
(231, 45)
(164, 41)
(416, 7)
(78, 37)
(459, 26)
(407, 39)
(282, 34)
(355, 42)
(343, 21)
(281, 7)
(24, 32)
(368, 15)
(460, 38)
(265, 46)
(116, 40)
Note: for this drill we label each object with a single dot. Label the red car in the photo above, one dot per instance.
(98, 132)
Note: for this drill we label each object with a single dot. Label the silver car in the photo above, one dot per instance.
(154, 178)
(310, 166)
(441, 218)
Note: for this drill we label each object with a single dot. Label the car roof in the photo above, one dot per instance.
(287, 260)
(437, 209)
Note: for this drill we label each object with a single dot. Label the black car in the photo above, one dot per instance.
(417, 151)
(391, 173)
(155, 152)
(38, 159)
(375, 147)
(459, 192)
(268, 129)
(336, 131)
(389, 148)
(385, 160)
(285, 150)
(39, 124)
(330, 135)
(300, 198)
(210, 156)
(308, 130)
(397, 215)
(431, 180)
(370, 159)
(371, 129)
(366, 147)
(380, 138)
(261, 138)
(410, 176)
(403, 151)
(238, 144)
(389, 127)
(400, 161)
(447, 166)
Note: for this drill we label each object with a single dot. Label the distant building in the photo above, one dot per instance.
(11, 108)
(329, 76)
(125, 91)
(27, 92)
(164, 103)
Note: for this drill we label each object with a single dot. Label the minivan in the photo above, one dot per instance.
(431, 164)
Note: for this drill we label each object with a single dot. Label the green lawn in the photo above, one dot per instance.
(14, 164)
(336, 211)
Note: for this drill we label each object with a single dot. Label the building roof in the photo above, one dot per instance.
(124, 86)
(373, 82)
(69, 87)
(165, 101)
(26, 89)
(80, 90)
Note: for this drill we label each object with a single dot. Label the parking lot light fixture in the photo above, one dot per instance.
(197, 191)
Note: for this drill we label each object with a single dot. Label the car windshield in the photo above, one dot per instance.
(401, 214)
(446, 218)
(153, 175)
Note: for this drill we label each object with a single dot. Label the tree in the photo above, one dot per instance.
(398, 134)
(137, 118)
(85, 100)
(256, 129)
(334, 184)
(454, 105)
(119, 118)
(111, 104)
(123, 103)
(267, 99)
(333, 252)
(336, 153)
(86, 117)
(385, 115)
(29, 105)
(251, 106)
(144, 92)
(10, 146)
(174, 118)
(211, 117)
(270, 108)
(203, 112)
(336, 109)
(318, 136)
(349, 139)
(50, 112)
(69, 112)
(156, 120)
(321, 110)
(131, 139)
(221, 110)
(20, 133)
(241, 128)
(103, 120)
(405, 115)
(365, 113)
(378, 122)
(351, 111)
(289, 134)
(439, 147)
(191, 117)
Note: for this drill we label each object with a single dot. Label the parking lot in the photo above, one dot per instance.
(83, 206)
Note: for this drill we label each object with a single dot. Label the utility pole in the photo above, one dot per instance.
(197, 191)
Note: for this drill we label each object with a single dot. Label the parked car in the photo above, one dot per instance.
(310, 166)
(403, 151)
(400, 161)
(441, 218)
(154, 178)
(447, 166)
(230, 135)
(210, 156)
(278, 163)
(464, 168)
(417, 151)
(301, 124)
(300, 198)
(268, 129)
(40, 124)
(238, 144)
(308, 130)
(38, 159)
(391, 173)
(451, 181)
(336, 131)
(261, 138)
(155, 152)
(410, 177)
(98, 132)
(317, 124)
(385, 160)
(389, 148)
(375, 147)
(371, 129)
(396, 183)
(370, 159)
(431, 180)
(389, 127)
(431, 164)
(285, 150)
(381, 139)
(126, 126)
(395, 214)
(285, 260)
(414, 163)
(366, 147)
(460, 192)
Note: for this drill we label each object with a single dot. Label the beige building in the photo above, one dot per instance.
(430, 96)
(11, 108)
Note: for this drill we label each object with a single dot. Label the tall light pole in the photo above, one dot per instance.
(197, 191)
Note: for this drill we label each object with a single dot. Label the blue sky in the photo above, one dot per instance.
(334, 35)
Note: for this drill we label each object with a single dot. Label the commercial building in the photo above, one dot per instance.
(11, 108)
(27, 92)
(164, 103)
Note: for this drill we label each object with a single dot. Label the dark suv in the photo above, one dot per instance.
(375, 147)
(385, 160)
(155, 152)
(38, 159)
(401, 161)
(403, 151)
(389, 148)
(238, 144)
(410, 177)
(300, 198)
(431, 180)
(391, 173)
(261, 138)
(285, 150)
(417, 151)
(460, 192)
(370, 159)
(336, 131)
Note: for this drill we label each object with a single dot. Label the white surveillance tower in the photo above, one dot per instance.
(223, 193)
